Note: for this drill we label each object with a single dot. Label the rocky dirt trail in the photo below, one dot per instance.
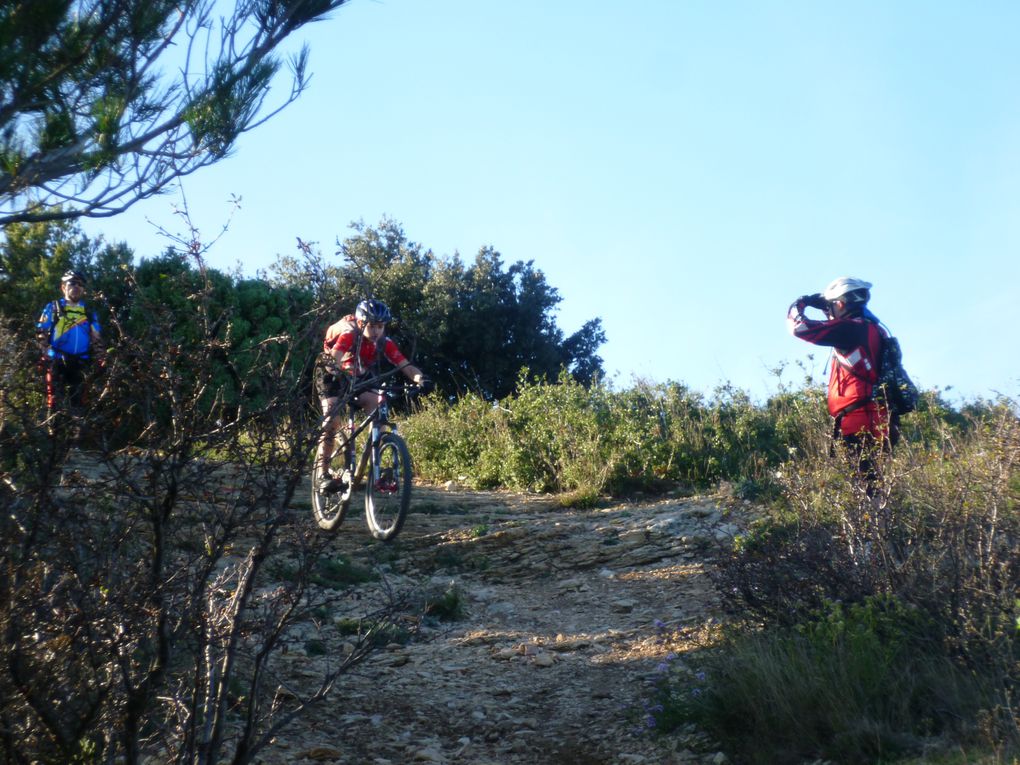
(568, 614)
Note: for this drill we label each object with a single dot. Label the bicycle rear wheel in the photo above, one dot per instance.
(329, 509)
(388, 490)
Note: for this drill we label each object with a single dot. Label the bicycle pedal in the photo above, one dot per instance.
(333, 486)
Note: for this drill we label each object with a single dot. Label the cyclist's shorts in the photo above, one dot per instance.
(330, 382)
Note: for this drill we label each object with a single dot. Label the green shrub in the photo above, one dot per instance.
(858, 684)
(376, 632)
(334, 573)
(459, 441)
(586, 441)
(562, 437)
(940, 537)
(316, 647)
(447, 606)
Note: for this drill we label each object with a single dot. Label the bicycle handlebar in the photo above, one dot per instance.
(382, 382)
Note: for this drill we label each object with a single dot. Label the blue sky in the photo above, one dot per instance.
(682, 169)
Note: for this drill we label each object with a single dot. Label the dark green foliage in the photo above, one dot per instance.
(868, 624)
(170, 304)
(33, 257)
(315, 647)
(375, 633)
(588, 440)
(860, 684)
(455, 322)
(251, 319)
(105, 103)
(470, 326)
(336, 573)
(446, 606)
(147, 558)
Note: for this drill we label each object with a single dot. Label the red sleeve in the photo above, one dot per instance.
(393, 354)
(834, 333)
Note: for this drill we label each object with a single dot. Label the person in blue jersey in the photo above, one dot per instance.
(69, 337)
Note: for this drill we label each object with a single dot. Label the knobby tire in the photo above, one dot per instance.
(388, 490)
(329, 510)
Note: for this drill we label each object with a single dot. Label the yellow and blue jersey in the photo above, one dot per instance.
(70, 328)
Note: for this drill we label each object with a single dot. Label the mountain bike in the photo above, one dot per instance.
(383, 466)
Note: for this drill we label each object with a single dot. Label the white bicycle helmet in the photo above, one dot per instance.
(848, 289)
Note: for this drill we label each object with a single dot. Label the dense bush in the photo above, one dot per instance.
(586, 441)
(866, 624)
(140, 616)
(473, 325)
(548, 437)
(851, 684)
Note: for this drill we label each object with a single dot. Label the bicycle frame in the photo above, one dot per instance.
(374, 421)
(384, 454)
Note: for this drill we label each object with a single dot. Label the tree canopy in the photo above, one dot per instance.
(471, 325)
(105, 102)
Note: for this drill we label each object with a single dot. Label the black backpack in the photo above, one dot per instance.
(894, 384)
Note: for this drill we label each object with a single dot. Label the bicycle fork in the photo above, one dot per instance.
(381, 478)
(371, 448)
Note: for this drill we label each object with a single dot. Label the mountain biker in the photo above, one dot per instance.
(69, 336)
(860, 421)
(351, 354)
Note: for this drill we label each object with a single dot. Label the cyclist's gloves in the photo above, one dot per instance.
(813, 301)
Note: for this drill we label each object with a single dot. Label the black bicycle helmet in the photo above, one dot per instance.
(373, 311)
(73, 276)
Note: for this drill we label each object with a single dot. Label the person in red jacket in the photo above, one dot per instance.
(855, 336)
(351, 351)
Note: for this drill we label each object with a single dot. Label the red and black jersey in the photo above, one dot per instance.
(857, 347)
(346, 344)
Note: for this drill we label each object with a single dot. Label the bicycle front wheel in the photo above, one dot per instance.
(388, 490)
